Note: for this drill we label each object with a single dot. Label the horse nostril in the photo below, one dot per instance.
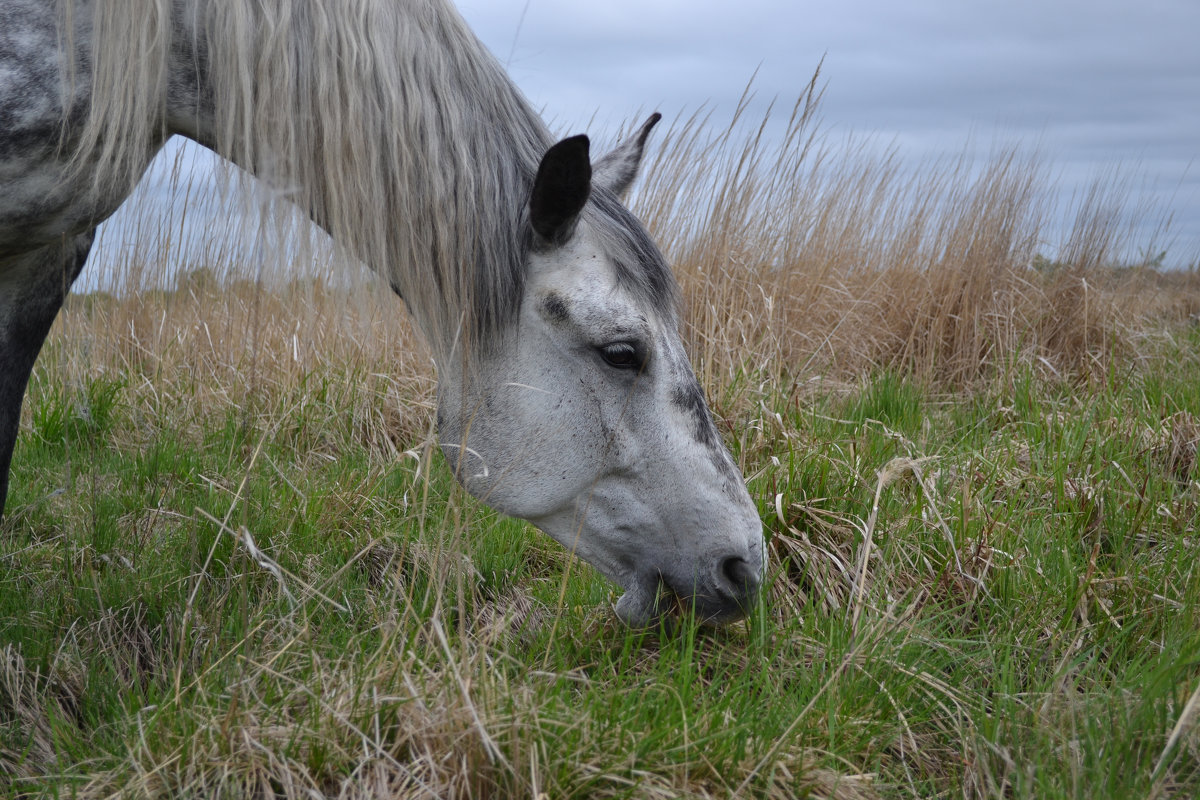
(740, 576)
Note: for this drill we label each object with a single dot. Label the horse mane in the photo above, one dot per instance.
(385, 121)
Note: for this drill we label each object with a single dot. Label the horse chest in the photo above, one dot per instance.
(37, 207)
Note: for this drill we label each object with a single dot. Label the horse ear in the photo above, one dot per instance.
(617, 170)
(560, 190)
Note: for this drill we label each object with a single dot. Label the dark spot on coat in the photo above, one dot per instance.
(689, 398)
(554, 308)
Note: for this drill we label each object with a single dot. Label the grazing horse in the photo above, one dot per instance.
(565, 396)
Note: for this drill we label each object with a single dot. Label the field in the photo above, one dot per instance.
(234, 564)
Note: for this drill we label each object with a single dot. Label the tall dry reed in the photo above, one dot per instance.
(801, 256)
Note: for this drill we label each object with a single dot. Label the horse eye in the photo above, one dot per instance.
(622, 355)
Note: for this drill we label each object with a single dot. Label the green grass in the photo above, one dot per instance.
(1024, 622)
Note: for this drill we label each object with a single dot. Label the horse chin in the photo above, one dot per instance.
(642, 606)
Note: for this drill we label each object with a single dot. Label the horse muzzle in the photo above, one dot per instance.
(725, 594)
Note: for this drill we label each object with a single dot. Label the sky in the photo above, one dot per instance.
(1097, 88)
(1093, 87)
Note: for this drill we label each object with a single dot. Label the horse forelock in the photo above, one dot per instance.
(640, 266)
(386, 121)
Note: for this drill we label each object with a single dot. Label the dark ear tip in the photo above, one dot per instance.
(572, 145)
(566, 161)
(647, 126)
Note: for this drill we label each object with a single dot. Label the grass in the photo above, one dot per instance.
(233, 565)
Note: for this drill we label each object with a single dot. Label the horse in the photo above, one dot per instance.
(565, 396)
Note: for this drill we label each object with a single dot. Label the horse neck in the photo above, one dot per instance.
(393, 129)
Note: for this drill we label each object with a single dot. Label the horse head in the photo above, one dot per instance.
(586, 418)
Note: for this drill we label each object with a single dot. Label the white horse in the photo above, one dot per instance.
(565, 396)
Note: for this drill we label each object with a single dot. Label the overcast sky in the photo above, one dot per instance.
(1091, 86)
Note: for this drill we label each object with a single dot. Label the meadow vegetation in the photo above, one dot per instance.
(234, 564)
